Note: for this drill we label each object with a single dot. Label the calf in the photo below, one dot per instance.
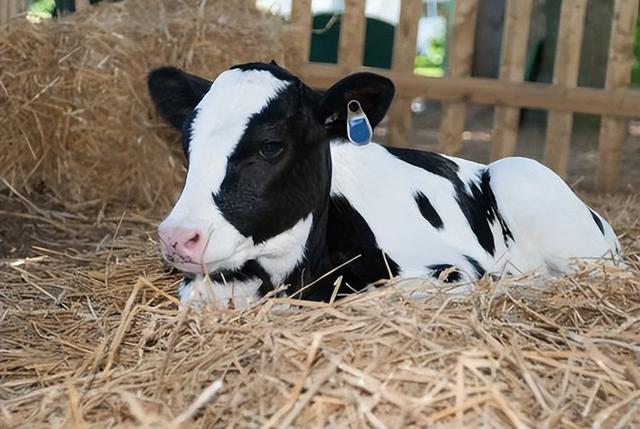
(276, 194)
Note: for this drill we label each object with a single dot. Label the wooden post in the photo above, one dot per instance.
(404, 54)
(4, 13)
(83, 4)
(352, 32)
(565, 73)
(613, 131)
(13, 8)
(512, 62)
(301, 21)
(460, 49)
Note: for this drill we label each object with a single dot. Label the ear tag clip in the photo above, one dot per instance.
(358, 127)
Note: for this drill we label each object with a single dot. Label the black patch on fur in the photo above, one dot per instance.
(338, 236)
(480, 272)
(263, 198)
(481, 211)
(187, 131)
(429, 161)
(348, 235)
(251, 270)
(477, 211)
(438, 269)
(597, 220)
(428, 211)
(479, 206)
(474, 206)
(492, 208)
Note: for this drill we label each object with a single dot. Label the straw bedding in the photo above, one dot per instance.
(90, 330)
(91, 335)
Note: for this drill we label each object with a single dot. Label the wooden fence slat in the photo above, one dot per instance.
(613, 131)
(85, 4)
(404, 54)
(352, 32)
(595, 101)
(4, 12)
(13, 8)
(513, 56)
(301, 20)
(460, 47)
(17, 7)
(565, 73)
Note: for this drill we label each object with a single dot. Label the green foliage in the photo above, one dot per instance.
(432, 62)
(434, 57)
(635, 72)
(41, 9)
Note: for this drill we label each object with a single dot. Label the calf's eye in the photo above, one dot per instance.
(271, 150)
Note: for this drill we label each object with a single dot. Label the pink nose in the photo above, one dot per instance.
(181, 244)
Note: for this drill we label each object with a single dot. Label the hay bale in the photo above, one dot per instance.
(75, 118)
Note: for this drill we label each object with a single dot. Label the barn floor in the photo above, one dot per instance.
(91, 335)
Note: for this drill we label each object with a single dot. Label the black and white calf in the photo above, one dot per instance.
(276, 194)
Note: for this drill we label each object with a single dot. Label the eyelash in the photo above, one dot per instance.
(271, 150)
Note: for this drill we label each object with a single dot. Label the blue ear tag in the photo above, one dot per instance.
(358, 127)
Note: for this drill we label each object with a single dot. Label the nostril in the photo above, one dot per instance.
(181, 242)
(193, 241)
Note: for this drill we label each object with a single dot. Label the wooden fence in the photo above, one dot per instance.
(616, 103)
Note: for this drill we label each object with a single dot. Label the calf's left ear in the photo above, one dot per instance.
(372, 91)
(176, 93)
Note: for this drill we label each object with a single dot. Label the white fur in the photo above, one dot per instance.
(202, 292)
(551, 226)
(280, 254)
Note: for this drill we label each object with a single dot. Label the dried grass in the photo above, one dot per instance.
(75, 117)
(91, 335)
(90, 331)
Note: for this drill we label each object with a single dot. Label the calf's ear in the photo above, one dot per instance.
(176, 93)
(372, 91)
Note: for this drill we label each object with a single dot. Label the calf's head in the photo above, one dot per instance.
(257, 145)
